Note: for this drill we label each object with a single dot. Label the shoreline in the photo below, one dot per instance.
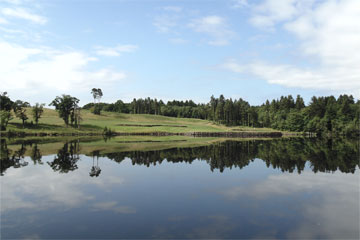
(189, 134)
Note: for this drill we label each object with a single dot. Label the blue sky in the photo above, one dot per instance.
(255, 50)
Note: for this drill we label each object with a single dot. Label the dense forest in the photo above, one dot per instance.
(323, 115)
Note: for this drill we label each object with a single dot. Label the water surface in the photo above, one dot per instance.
(284, 188)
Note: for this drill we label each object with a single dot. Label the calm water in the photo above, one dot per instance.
(235, 189)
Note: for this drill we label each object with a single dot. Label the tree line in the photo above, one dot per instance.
(323, 115)
(66, 105)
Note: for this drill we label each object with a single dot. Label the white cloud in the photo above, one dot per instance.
(329, 35)
(270, 12)
(3, 21)
(330, 32)
(178, 40)
(214, 26)
(240, 3)
(41, 69)
(172, 8)
(115, 51)
(16, 2)
(166, 23)
(23, 14)
(336, 79)
(168, 20)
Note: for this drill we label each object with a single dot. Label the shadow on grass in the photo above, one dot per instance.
(149, 125)
(90, 127)
(50, 127)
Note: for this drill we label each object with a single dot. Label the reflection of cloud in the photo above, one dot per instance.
(331, 211)
(45, 188)
(177, 218)
(32, 236)
(208, 227)
(113, 206)
(288, 184)
(109, 182)
(219, 227)
(39, 187)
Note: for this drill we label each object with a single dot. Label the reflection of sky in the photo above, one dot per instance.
(177, 200)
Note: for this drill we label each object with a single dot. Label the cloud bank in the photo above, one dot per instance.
(328, 34)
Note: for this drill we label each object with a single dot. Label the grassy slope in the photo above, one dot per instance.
(51, 123)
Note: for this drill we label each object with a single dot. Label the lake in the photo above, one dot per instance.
(179, 188)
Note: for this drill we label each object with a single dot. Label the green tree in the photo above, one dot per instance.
(94, 92)
(19, 108)
(97, 94)
(299, 104)
(37, 111)
(5, 107)
(213, 105)
(219, 113)
(5, 117)
(295, 121)
(66, 106)
(5, 102)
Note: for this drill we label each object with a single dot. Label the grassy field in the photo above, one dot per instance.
(126, 123)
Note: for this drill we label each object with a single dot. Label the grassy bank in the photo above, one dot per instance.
(50, 123)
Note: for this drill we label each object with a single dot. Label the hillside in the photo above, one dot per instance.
(120, 122)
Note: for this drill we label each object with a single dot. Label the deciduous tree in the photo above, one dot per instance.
(37, 111)
(66, 106)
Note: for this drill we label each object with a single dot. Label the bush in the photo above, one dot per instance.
(108, 132)
(96, 109)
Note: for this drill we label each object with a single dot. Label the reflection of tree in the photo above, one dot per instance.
(339, 154)
(288, 155)
(11, 159)
(66, 158)
(95, 170)
(285, 155)
(36, 155)
(324, 155)
(219, 156)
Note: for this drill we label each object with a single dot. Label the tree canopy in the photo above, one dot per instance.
(66, 106)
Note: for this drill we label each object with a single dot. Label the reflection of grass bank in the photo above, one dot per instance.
(116, 144)
(51, 124)
(88, 145)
